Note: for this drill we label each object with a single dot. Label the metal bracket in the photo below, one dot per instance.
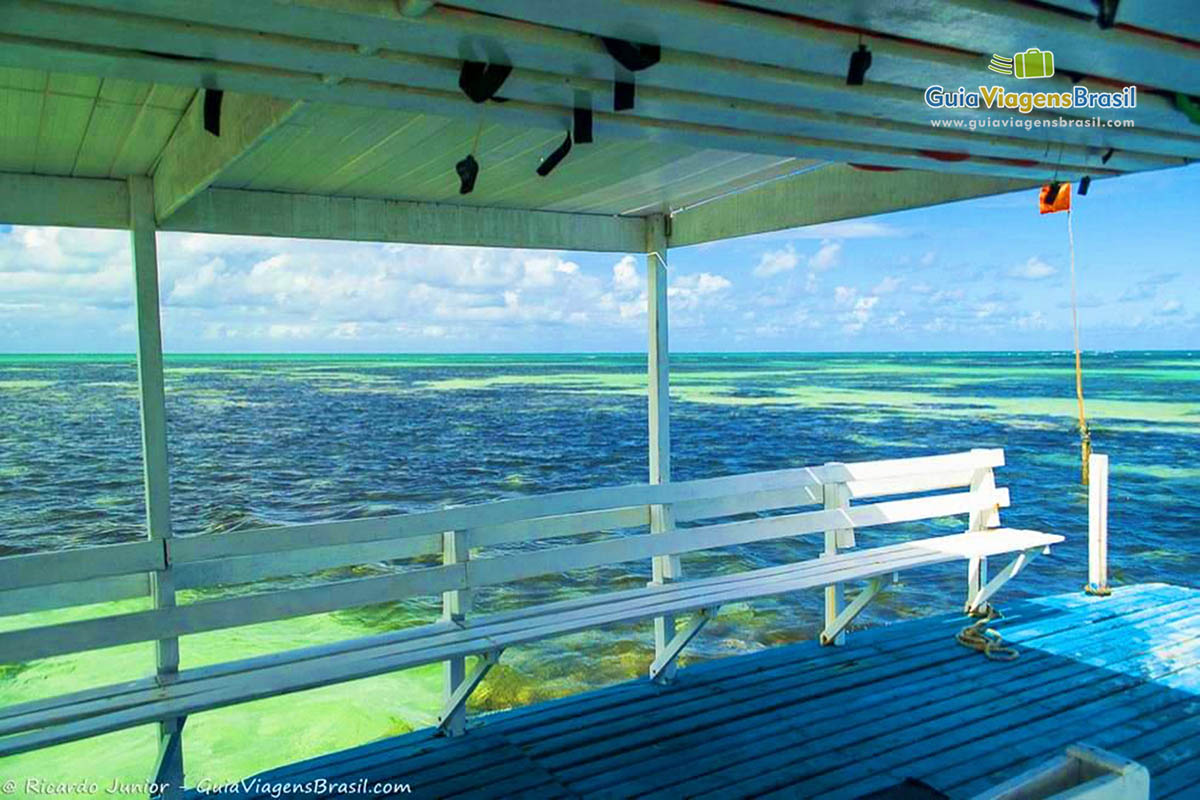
(662, 669)
(1003, 576)
(458, 698)
(856, 606)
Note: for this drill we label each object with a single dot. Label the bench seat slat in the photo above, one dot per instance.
(89, 714)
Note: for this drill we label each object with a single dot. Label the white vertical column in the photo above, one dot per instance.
(665, 568)
(455, 605)
(980, 519)
(154, 445)
(836, 496)
(1098, 525)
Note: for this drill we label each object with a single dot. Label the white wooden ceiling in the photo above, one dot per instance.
(744, 94)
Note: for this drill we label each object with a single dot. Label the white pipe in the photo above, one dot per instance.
(1098, 525)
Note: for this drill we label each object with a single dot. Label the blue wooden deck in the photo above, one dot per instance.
(903, 701)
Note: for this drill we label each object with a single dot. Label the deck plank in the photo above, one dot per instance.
(803, 721)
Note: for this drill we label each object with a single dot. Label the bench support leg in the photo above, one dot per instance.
(834, 628)
(663, 667)
(979, 601)
(168, 773)
(450, 721)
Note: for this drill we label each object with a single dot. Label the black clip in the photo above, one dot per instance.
(480, 81)
(1084, 184)
(1106, 13)
(551, 161)
(468, 171)
(860, 62)
(212, 111)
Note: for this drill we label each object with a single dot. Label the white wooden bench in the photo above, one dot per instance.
(37, 582)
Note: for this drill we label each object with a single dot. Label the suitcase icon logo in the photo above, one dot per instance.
(1033, 63)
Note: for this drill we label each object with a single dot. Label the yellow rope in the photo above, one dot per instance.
(1085, 436)
(978, 636)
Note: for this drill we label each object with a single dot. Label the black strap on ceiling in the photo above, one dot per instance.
(1052, 194)
(1106, 12)
(481, 81)
(551, 161)
(212, 111)
(860, 62)
(1107, 155)
(581, 128)
(634, 57)
(468, 171)
(1084, 184)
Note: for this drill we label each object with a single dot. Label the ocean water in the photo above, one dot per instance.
(267, 440)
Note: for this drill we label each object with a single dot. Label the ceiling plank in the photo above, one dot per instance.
(194, 157)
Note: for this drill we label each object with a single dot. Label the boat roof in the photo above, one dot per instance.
(345, 119)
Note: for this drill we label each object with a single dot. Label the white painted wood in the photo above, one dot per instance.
(193, 158)
(837, 497)
(979, 601)
(834, 632)
(452, 719)
(664, 568)
(40, 569)
(503, 569)
(455, 605)
(983, 479)
(66, 202)
(558, 525)
(172, 622)
(155, 457)
(660, 668)
(80, 593)
(1098, 524)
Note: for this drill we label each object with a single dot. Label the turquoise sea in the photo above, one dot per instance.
(265, 440)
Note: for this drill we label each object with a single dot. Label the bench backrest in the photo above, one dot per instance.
(101, 574)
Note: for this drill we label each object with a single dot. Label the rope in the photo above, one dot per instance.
(1085, 437)
(978, 636)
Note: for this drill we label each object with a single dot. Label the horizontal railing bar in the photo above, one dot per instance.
(502, 569)
(245, 569)
(39, 569)
(562, 525)
(93, 634)
(78, 593)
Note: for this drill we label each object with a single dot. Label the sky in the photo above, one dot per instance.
(986, 274)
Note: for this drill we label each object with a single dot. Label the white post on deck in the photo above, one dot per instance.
(154, 450)
(981, 519)
(455, 605)
(1098, 525)
(665, 568)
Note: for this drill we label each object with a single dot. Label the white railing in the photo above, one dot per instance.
(1098, 525)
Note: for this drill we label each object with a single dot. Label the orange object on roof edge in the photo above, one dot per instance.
(1061, 200)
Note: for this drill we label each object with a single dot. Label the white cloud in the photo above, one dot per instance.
(1032, 270)
(1171, 308)
(888, 285)
(844, 295)
(773, 262)
(827, 257)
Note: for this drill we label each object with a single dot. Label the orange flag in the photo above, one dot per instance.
(1055, 197)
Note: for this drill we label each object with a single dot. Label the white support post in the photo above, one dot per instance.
(836, 495)
(664, 663)
(455, 605)
(155, 460)
(978, 604)
(456, 702)
(662, 520)
(983, 480)
(1098, 526)
(835, 629)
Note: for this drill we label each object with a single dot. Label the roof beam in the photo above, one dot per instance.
(194, 158)
(66, 202)
(304, 216)
(825, 195)
(104, 203)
